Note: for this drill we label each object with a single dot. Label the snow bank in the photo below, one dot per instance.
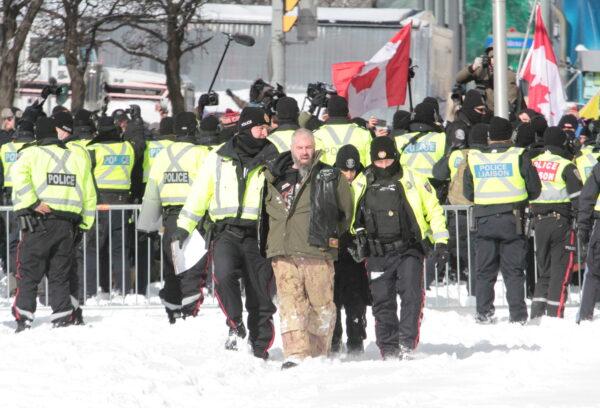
(134, 358)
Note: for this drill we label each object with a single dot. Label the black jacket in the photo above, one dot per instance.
(587, 200)
(533, 184)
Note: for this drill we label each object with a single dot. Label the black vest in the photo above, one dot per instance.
(324, 209)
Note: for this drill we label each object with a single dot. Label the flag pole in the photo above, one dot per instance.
(522, 56)
(500, 60)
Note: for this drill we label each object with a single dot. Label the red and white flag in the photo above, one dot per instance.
(379, 82)
(540, 70)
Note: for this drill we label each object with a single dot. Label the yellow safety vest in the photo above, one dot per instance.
(57, 177)
(421, 155)
(216, 191)
(153, 148)
(282, 139)
(9, 153)
(330, 138)
(497, 177)
(423, 202)
(586, 162)
(174, 171)
(114, 162)
(550, 169)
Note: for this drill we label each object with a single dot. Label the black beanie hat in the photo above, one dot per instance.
(287, 109)
(424, 113)
(83, 117)
(185, 124)
(401, 120)
(25, 125)
(500, 129)
(64, 121)
(166, 126)
(479, 134)
(433, 102)
(252, 116)
(45, 128)
(383, 148)
(472, 100)
(348, 158)
(567, 120)
(107, 127)
(525, 135)
(337, 107)
(539, 125)
(59, 108)
(554, 136)
(209, 123)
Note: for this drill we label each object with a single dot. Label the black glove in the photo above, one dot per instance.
(441, 254)
(359, 250)
(179, 235)
(583, 236)
(229, 92)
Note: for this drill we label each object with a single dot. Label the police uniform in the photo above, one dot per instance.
(351, 283)
(587, 224)
(173, 172)
(112, 161)
(500, 181)
(586, 160)
(552, 214)
(287, 119)
(397, 217)
(229, 192)
(47, 173)
(155, 146)
(338, 131)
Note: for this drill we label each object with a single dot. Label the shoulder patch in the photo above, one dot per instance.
(459, 134)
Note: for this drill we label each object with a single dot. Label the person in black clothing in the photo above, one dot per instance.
(552, 214)
(351, 285)
(498, 211)
(472, 112)
(400, 123)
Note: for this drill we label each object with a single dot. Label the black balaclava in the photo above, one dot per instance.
(472, 100)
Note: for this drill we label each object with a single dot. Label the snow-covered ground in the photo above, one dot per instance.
(131, 357)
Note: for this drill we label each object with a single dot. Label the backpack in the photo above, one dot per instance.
(455, 189)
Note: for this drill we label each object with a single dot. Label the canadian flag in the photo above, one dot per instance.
(540, 70)
(379, 82)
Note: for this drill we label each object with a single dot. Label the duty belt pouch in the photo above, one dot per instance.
(518, 221)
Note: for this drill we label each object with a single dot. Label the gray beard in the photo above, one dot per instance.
(303, 170)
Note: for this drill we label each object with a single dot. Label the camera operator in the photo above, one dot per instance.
(482, 72)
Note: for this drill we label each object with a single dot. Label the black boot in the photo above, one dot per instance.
(355, 347)
(173, 315)
(63, 321)
(234, 334)
(77, 317)
(22, 325)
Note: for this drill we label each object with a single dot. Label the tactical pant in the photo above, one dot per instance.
(499, 247)
(397, 273)
(107, 249)
(181, 292)
(591, 281)
(554, 262)
(306, 307)
(350, 291)
(234, 258)
(45, 253)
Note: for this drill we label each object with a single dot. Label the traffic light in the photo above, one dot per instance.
(290, 14)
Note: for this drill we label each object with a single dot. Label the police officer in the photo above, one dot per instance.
(587, 157)
(400, 123)
(500, 181)
(54, 198)
(287, 118)
(588, 231)
(173, 172)
(229, 192)
(424, 144)
(155, 145)
(351, 285)
(553, 211)
(112, 160)
(339, 131)
(472, 112)
(398, 216)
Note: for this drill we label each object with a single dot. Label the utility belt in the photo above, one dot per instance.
(171, 210)
(236, 231)
(37, 223)
(378, 248)
(552, 214)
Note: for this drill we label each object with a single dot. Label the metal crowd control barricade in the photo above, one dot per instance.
(448, 286)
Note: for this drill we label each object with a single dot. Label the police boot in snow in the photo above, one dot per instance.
(234, 334)
(173, 315)
(77, 317)
(23, 324)
(63, 321)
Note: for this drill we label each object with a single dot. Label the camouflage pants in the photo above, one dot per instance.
(306, 308)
